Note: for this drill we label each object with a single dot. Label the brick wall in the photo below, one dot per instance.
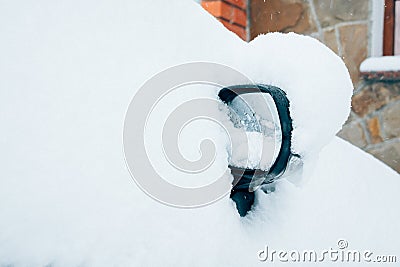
(231, 13)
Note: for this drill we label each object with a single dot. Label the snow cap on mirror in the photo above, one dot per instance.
(315, 79)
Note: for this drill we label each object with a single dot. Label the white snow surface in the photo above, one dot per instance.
(387, 63)
(68, 72)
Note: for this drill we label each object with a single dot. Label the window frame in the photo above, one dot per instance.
(391, 28)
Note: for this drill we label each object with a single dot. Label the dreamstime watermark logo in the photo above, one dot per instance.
(145, 101)
(340, 254)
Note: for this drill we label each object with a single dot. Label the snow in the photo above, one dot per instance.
(69, 70)
(190, 137)
(308, 86)
(387, 63)
(258, 146)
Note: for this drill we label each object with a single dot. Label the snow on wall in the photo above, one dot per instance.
(388, 63)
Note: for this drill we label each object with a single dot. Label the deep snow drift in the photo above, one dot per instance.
(68, 72)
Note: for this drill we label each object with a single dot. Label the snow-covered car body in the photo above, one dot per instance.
(68, 72)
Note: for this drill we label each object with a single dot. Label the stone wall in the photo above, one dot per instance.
(374, 124)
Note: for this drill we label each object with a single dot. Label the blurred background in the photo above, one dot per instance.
(364, 33)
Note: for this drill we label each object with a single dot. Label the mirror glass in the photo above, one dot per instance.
(257, 115)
